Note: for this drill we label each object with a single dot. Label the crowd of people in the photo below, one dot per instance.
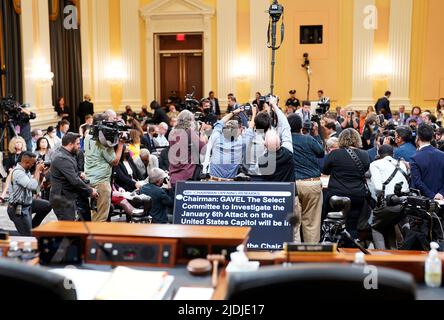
(364, 154)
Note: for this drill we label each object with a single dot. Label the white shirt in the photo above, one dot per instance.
(381, 171)
(161, 141)
(128, 168)
(424, 146)
(305, 116)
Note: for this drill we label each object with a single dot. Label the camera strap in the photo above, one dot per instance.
(269, 44)
(390, 179)
(360, 166)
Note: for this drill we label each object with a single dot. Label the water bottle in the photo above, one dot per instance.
(433, 268)
(359, 260)
(28, 253)
(14, 252)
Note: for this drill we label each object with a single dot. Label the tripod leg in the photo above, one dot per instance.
(360, 247)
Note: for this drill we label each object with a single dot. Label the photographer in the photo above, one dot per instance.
(350, 121)
(22, 205)
(99, 162)
(324, 102)
(227, 145)
(66, 183)
(160, 199)
(233, 106)
(209, 118)
(185, 149)
(387, 173)
(262, 125)
(22, 120)
(159, 114)
(428, 166)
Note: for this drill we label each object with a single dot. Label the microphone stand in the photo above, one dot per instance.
(276, 11)
(308, 82)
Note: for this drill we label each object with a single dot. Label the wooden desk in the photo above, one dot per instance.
(412, 262)
(203, 239)
(69, 229)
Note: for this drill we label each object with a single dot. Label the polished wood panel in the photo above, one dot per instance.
(412, 262)
(60, 228)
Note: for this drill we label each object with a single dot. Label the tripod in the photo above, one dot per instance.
(306, 66)
(276, 11)
(7, 132)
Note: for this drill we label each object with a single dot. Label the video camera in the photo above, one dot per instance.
(413, 203)
(388, 134)
(190, 103)
(276, 11)
(11, 108)
(109, 133)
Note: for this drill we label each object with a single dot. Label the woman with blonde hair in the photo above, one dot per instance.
(347, 167)
(17, 146)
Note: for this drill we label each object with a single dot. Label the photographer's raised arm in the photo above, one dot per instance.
(283, 127)
(252, 123)
(230, 115)
(118, 154)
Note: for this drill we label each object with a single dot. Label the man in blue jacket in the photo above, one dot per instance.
(428, 166)
(403, 138)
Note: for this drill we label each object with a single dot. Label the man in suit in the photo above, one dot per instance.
(383, 106)
(66, 183)
(85, 108)
(148, 140)
(428, 166)
(305, 112)
(63, 128)
(403, 116)
(214, 102)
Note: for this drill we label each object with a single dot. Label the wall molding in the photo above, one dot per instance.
(226, 48)
(101, 54)
(129, 26)
(363, 44)
(400, 44)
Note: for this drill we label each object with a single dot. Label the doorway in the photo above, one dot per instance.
(180, 66)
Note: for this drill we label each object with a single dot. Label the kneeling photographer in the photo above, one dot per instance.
(386, 174)
(100, 158)
(22, 205)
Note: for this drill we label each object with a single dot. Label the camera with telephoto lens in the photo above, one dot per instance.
(265, 99)
(11, 107)
(414, 204)
(248, 109)
(199, 117)
(109, 133)
(388, 134)
(191, 103)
